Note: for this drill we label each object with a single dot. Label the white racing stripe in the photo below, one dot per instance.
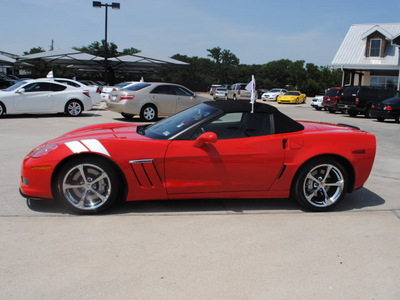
(76, 147)
(95, 146)
(91, 145)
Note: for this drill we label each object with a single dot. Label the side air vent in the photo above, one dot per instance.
(146, 173)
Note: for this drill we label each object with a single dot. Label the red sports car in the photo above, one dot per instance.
(217, 149)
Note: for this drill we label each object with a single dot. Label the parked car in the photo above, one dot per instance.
(387, 109)
(217, 149)
(5, 83)
(292, 97)
(260, 92)
(105, 92)
(42, 96)
(316, 102)
(212, 88)
(220, 93)
(359, 99)
(238, 91)
(273, 94)
(152, 99)
(332, 98)
(94, 91)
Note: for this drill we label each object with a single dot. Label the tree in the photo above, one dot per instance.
(225, 63)
(97, 48)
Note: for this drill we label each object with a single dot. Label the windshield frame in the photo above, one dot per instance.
(15, 86)
(177, 125)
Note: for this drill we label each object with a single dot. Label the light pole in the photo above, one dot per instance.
(113, 5)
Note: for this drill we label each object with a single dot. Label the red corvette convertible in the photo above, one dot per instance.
(217, 149)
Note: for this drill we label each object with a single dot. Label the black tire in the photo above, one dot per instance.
(332, 111)
(320, 184)
(87, 185)
(381, 119)
(73, 108)
(234, 97)
(226, 97)
(397, 119)
(297, 101)
(148, 113)
(127, 116)
(367, 112)
(352, 113)
(317, 108)
(2, 110)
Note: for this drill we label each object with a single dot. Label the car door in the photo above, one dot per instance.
(164, 97)
(240, 161)
(184, 98)
(35, 97)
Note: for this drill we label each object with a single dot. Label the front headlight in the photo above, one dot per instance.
(43, 150)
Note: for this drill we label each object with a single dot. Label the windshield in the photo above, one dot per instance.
(122, 84)
(136, 86)
(332, 92)
(169, 127)
(15, 86)
(274, 91)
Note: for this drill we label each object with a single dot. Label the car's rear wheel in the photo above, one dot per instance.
(127, 116)
(87, 185)
(2, 110)
(368, 112)
(234, 97)
(381, 119)
(332, 111)
(397, 119)
(73, 108)
(320, 184)
(148, 113)
(317, 108)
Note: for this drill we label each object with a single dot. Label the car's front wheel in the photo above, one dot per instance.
(73, 108)
(87, 185)
(148, 113)
(2, 109)
(320, 184)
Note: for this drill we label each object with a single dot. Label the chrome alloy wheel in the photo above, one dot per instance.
(74, 109)
(86, 187)
(323, 185)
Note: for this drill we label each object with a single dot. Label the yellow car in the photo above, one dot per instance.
(292, 97)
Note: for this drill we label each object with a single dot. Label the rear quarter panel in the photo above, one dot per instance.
(355, 147)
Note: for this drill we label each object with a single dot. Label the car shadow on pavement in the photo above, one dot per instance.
(357, 200)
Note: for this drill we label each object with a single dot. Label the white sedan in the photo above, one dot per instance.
(42, 96)
(273, 94)
(152, 99)
(94, 91)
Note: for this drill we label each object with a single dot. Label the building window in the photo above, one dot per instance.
(375, 48)
(384, 81)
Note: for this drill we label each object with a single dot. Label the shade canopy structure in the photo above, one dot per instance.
(6, 60)
(135, 63)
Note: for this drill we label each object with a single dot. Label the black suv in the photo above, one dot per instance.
(359, 99)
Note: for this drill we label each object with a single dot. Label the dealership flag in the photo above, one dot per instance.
(251, 87)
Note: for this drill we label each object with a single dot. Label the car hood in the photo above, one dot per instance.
(102, 131)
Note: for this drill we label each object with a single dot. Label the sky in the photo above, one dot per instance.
(256, 31)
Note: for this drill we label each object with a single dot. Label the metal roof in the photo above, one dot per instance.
(351, 53)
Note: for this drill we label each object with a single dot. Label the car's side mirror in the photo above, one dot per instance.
(207, 137)
(21, 91)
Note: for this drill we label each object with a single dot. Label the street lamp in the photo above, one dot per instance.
(113, 5)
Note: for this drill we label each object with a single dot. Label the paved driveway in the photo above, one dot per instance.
(215, 249)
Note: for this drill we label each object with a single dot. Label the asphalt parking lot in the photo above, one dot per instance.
(214, 249)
